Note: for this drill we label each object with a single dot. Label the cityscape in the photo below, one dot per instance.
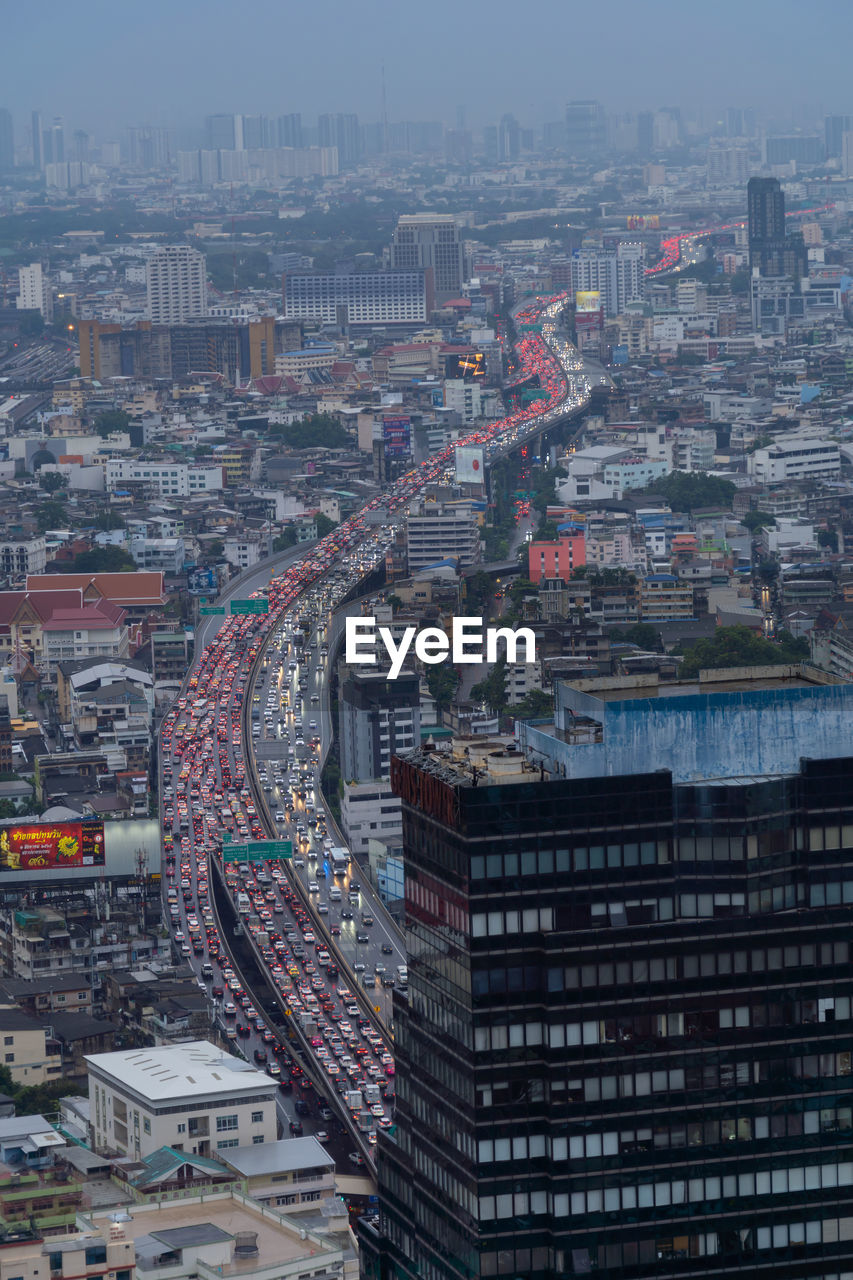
(426, 646)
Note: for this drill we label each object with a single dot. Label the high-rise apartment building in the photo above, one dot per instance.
(770, 250)
(290, 130)
(222, 133)
(834, 128)
(586, 128)
(53, 143)
(7, 141)
(431, 240)
(36, 140)
(625, 1050)
(367, 297)
(341, 131)
(617, 274)
(378, 719)
(176, 276)
(34, 291)
(149, 148)
(441, 531)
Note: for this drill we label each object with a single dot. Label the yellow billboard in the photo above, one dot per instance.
(588, 300)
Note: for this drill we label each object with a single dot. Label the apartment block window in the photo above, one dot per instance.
(227, 1142)
(224, 1123)
(10, 1057)
(8, 1039)
(257, 1117)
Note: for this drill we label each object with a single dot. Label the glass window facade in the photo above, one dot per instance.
(626, 1047)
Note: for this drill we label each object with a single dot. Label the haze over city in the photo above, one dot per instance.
(175, 61)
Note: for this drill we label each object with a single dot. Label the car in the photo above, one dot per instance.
(362, 937)
(296, 1129)
(346, 914)
(260, 1055)
(358, 967)
(387, 950)
(301, 1107)
(356, 1158)
(322, 1136)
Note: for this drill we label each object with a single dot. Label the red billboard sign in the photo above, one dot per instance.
(52, 846)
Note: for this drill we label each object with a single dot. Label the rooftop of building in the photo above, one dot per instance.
(170, 1071)
(284, 1156)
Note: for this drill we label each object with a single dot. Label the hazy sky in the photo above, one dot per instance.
(105, 63)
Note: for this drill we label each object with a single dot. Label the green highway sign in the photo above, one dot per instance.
(210, 610)
(227, 837)
(257, 850)
(262, 605)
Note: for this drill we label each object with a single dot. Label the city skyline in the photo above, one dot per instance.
(84, 72)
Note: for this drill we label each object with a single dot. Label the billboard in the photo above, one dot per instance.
(468, 366)
(470, 464)
(643, 221)
(588, 300)
(52, 846)
(397, 434)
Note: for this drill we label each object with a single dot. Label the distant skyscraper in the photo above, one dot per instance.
(770, 250)
(378, 718)
(341, 131)
(586, 128)
(81, 145)
(36, 140)
(431, 240)
(149, 148)
(7, 141)
(617, 274)
(290, 130)
(256, 133)
(221, 133)
(509, 138)
(646, 132)
(835, 128)
(53, 143)
(177, 284)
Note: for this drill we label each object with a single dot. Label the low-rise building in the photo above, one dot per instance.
(189, 1096)
(288, 1174)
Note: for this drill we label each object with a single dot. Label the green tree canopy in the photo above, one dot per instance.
(107, 520)
(643, 634)
(492, 689)
(51, 515)
(754, 520)
(741, 647)
(317, 431)
(102, 560)
(689, 490)
(111, 420)
(533, 705)
(324, 524)
(30, 324)
(442, 682)
(287, 538)
(52, 481)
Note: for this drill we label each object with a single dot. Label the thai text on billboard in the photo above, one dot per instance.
(52, 846)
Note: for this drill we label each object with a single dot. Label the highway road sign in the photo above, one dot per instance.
(261, 605)
(227, 837)
(258, 850)
(210, 610)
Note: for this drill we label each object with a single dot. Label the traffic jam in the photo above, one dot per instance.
(213, 796)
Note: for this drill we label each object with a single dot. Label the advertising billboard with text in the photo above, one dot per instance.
(397, 434)
(52, 846)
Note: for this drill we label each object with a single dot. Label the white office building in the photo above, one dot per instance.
(172, 479)
(363, 297)
(176, 276)
(795, 457)
(192, 1097)
(34, 292)
(23, 556)
(437, 532)
(617, 274)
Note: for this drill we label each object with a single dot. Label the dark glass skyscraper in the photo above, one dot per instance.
(770, 250)
(626, 1049)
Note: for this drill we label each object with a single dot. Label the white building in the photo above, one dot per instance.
(177, 284)
(167, 554)
(370, 810)
(192, 1097)
(367, 297)
(469, 399)
(34, 292)
(795, 457)
(436, 532)
(172, 479)
(617, 274)
(24, 556)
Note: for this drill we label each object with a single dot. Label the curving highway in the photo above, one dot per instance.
(299, 958)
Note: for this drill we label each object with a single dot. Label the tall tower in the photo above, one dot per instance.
(431, 240)
(7, 141)
(176, 276)
(37, 140)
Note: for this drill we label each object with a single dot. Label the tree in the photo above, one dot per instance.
(827, 538)
(492, 690)
(741, 647)
(30, 324)
(642, 634)
(108, 520)
(287, 538)
(215, 548)
(324, 524)
(103, 560)
(111, 420)
(52, 481)
(51, 515)
(754, 520)
(442, 682)
(687, 490)
(479, 590)
(317, 431)
(535, 704)
(395, 602)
